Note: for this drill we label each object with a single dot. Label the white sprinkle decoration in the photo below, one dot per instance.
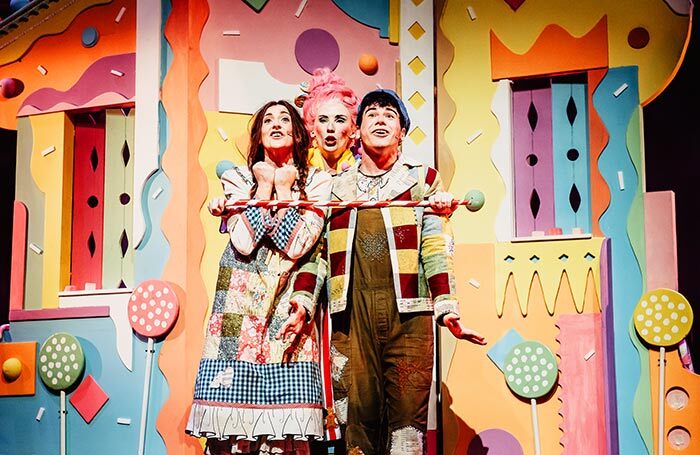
(472, 13)
(589, 354)
(232, 33)
(621, 180)
(47, 150)
(35, 248)
(620, 89)
(157, 192)
(40, 414)
(474, 283)
(301, 7)
(123, 421)
(42, 70)
(223, 134)
(120, 14)
(474, 137)
(116, 73)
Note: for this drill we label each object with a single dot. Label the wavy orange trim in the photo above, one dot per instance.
(598, 138)
(181, 224)
(555, 51)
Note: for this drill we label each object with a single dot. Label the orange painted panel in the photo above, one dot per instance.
(678, 378)
(181, 351)
(25, 384)
(544, 57)
(115, 38)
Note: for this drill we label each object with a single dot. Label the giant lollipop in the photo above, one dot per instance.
(153, 309)
(531, 372)
(61, 362)
(662, 318)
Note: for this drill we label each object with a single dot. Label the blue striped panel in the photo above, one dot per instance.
(571, 156)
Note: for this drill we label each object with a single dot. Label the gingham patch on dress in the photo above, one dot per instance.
(255, 218)
(285, 228)
(260, 384)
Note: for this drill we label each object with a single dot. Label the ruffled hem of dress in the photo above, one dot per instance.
(249, 423)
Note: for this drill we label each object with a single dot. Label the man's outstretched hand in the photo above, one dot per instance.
(455, 326)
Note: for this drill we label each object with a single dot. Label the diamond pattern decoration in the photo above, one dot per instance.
(532, 116)
(416, 100)
(88, 399)
(417, 2)
(515, 4)
(126, 153)
(94, 159)
(534, 203)
(574, 198)
(416, 65)
(416, 30)
(124, 242)
(417, 135)
(571, 110)
(91, 244)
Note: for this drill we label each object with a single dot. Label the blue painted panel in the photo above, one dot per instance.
(627, 284)
(374, 13)
(571, 157)
(22, 433)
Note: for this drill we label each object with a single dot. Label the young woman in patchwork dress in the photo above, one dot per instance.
(258, 389)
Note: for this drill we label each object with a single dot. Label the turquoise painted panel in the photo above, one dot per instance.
(22, 433)
(572, 189)
(627, 283)
(374, 13)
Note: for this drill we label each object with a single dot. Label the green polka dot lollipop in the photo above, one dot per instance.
(61, 362)
(476, 200)
(530, 370)
(662, 318)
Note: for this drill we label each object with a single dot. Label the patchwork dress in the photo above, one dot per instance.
(253, 391)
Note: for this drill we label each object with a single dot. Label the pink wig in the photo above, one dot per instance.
(327, 86)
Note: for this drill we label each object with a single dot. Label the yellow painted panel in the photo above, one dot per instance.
(53, 174)
(468, 79)
(394, 21)
(215, 149)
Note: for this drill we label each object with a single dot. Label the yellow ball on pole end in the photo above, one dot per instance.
(11, 369)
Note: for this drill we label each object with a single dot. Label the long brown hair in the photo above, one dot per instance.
(300, 146)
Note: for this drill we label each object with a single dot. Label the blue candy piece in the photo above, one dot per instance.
(223, 166)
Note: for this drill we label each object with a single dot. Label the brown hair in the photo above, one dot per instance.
(300, 146)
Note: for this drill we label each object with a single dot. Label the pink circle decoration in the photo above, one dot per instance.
(316, 48)
(494, 441)
(10, 87)
(153, 308)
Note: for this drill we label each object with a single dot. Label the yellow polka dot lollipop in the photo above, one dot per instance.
(663, 317)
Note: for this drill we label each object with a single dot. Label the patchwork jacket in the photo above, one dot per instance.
(421, 246)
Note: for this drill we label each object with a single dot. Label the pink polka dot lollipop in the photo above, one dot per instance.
(153, 309)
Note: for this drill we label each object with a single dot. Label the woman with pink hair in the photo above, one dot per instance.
(329, 115)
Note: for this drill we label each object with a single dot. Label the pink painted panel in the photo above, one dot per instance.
(660, 237)
(59, 313)
(582, 384)
(532, 158)
(19, 256)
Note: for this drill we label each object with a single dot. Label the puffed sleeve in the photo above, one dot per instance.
(246, 226)
(296, 233)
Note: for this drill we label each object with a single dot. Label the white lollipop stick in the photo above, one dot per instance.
(63, 422)
(144, 401)
(662, 369)
(535, 425)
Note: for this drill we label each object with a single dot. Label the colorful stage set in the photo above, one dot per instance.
(124, 108)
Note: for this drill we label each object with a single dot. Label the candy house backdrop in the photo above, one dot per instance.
(114, 115)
